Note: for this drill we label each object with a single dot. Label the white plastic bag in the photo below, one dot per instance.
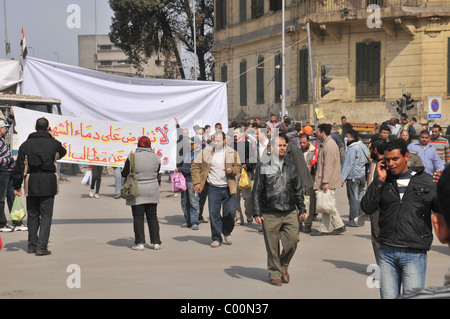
(325, 202)
(87, 178)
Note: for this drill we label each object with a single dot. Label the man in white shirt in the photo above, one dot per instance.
(218, 165)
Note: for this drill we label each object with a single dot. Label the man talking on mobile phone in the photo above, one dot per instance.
(405, 198)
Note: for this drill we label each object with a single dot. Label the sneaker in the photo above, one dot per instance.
(91, 193)
(6, 229)
(156, 246)
(215, 244)
(194, 227)
(96, 195)
(227, 239)
(237, 223)
(138, 247)
(21, 228)
(185, 225)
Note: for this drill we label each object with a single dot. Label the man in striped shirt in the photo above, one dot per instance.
(440, 143)
(6, 165)
(405, 199)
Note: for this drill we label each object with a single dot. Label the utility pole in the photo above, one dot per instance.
(195, 42)
(311, 76)
(96, 44)
(283, 65)
(7, 44)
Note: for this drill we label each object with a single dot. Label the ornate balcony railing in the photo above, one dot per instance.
(345, 6)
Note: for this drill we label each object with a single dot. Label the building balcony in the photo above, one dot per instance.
(321, 11)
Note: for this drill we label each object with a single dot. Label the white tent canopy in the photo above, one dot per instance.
(96, 95)
(10, 73)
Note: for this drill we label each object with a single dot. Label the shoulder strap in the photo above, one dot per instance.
(132, 163)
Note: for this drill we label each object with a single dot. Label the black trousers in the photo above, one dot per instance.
(40, 213)
(139, 213)
(96, 180)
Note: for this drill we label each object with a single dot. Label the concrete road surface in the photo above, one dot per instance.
(91, 257)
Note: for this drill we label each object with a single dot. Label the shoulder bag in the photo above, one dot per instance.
(129, 189)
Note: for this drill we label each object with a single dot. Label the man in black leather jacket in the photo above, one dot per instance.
(277, 193)
(405, 199)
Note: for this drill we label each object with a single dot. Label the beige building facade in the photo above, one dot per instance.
(377, 48)
(110, 59)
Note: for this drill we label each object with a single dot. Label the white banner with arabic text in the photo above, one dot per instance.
(105, 143)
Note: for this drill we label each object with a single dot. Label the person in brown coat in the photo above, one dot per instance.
(327, 179)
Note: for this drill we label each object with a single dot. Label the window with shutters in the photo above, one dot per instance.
(260, 81)
(278, 78)
(275, 5)
(368, 69)
(257, 8)
(242, 10)
(303, 75)
(224, 73)
(221, 14)
(243, 83)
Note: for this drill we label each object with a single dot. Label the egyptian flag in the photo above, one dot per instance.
(23, 44)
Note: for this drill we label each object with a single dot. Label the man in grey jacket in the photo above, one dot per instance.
(353, 174)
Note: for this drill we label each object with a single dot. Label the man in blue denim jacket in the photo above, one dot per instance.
(353, 173)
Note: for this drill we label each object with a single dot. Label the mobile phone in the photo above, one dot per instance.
(383, 165)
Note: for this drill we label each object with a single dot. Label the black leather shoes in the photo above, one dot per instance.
(339, 230)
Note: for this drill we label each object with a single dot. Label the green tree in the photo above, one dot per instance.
(142, 28)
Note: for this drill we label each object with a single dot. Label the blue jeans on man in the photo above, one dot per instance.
(355, 192)
(190, 204)
(220, 198)
(401, 266)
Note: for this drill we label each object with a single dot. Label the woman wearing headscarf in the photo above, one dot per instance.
(147, 165)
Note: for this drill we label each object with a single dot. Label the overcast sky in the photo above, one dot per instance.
(47, 32)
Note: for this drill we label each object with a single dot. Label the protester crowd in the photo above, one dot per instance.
(283, 175)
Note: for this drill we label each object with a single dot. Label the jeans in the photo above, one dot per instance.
(220, 197)
(401, 266)
(148, 211)
(6, 194)
(190, 204)
(355, 192)
(117, 180)
(40, 213)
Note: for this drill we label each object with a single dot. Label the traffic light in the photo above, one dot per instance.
(408, 101)
(324, 80)
(400, 105)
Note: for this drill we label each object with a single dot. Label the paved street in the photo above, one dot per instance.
(96, 235)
